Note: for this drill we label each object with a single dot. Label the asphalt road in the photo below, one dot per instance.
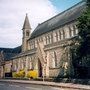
(18, 86)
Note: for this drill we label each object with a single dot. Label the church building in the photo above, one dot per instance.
(48, 49)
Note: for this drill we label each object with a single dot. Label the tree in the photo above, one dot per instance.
(83, 51)
(84, 22)
(84, 31)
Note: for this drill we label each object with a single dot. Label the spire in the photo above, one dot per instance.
(26, 24)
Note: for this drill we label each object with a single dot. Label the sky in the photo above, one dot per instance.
(12, 16)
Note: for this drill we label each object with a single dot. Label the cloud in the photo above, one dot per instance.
(13, 14)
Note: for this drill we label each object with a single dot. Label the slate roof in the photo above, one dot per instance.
(8, 53)
(59, 20)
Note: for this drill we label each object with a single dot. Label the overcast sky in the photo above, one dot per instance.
(12, 15)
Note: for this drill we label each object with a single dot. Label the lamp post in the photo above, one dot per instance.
(43, 71)
(44, 65)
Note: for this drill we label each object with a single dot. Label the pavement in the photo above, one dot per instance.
(19, 86)
(53, 84)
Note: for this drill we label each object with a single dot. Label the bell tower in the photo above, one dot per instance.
(26, 34)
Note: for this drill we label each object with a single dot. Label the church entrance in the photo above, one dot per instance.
(39, 68)
(8, 74)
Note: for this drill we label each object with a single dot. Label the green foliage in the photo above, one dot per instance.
(84, 31)
(88, 3)
(84, 24)
(81, 54)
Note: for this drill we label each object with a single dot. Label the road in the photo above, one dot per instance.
(18, 86)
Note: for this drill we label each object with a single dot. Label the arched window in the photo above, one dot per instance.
(27, 33)
(50, 39)
(44, 40)
(32, 44)
(47, 39)
(54, 36)
(66, 32)
(59, 35)
(53, 60)
(24, 61)
(22, 64)
(35, 43)
(27, 62)
(17, 63)
(72, 31)
(76, 30)
(62, 34)
(55, 57)
(30, 63)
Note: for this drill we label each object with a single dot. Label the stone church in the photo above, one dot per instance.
(48, 48)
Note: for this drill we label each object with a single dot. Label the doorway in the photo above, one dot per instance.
(39, 68)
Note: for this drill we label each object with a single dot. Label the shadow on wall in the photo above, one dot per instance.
(76, 73)
(65, 68)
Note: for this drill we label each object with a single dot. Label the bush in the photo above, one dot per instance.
(15, 75)
(20, 74)
(32, 74)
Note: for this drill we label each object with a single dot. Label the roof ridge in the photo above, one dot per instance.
(63, 12)
(60, 19)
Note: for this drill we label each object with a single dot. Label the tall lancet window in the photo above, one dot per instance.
(31, 66)
(76, 29)
(72, 31)
(53, 60)
(17, 63)
(62, 35)
(58, 36)
(50, 39)
(22, 67)
(55, 36)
